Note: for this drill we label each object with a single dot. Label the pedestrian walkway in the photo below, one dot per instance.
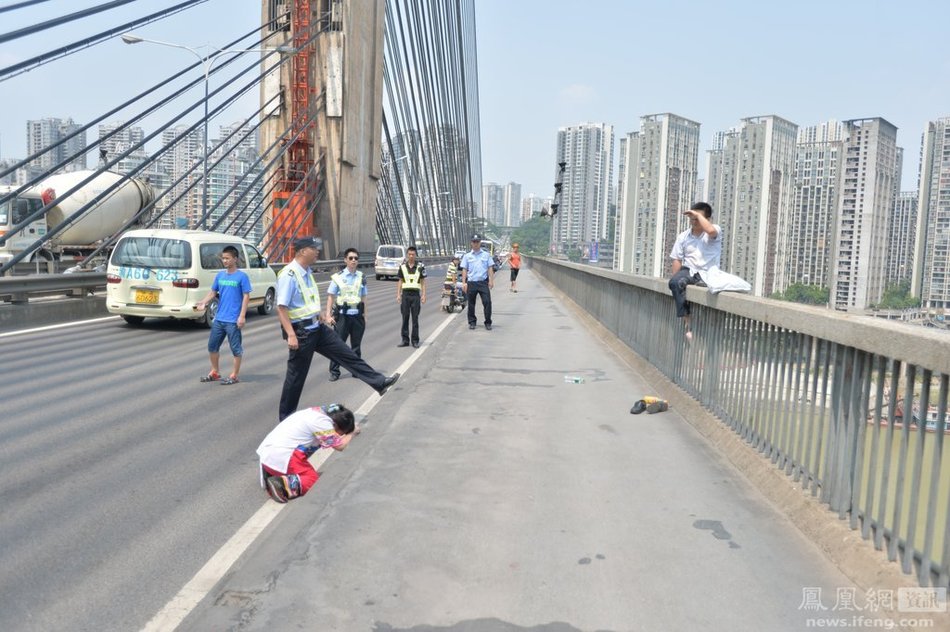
(492, 491)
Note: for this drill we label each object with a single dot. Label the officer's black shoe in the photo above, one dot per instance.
(487, 326)
(389, 382)
(415, 345)
(334, 377)
(471, 325)
(403, 344)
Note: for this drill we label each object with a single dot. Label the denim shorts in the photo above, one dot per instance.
(221, 330)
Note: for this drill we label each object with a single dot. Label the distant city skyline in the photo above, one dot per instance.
(594, 73)
(722, 62)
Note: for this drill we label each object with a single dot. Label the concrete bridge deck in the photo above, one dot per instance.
(487, 493)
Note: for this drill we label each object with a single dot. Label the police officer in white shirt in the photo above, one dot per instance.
(306, 332)
(478, 279)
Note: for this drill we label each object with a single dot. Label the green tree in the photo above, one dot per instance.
(534, 236)
(807, 294)
(898, 296)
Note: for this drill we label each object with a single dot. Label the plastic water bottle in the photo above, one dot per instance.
(573, 379)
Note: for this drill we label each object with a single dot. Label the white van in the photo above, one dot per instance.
(164, 273)
(388, 259)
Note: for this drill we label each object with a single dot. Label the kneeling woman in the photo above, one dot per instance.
(286, 472)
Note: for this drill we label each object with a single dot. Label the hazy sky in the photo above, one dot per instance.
(544, 64)
(90, 82)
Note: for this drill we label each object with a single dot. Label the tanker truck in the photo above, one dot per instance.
(101, 220)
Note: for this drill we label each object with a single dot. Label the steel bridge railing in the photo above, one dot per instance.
(852, 408)
(21, 289)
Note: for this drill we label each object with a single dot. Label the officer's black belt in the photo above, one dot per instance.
(306, 322)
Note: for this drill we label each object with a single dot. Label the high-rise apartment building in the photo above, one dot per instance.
(446, 149)
(406, 183)
(808, 238)
(53, 132)
(902, 238)
(750, 178)
(235, 188)
(586, 185)
(620, 192)
(185, 153)
(866, 195)
(512, 204)
(659, 167)
(531, 207)
(931, 278)
(493, 203)
(116, 139)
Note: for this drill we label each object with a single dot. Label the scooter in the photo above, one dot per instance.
(452, 297)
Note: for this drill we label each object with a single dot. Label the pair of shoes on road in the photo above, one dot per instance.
(231, 379)
(213, 376)
(488, 326)
(389, 382)
(403, 344)
(650, 405)
(334, 377)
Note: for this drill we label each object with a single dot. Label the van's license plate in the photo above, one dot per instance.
(149, 297)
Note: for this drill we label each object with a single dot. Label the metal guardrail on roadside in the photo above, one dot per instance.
(19, 289)
(852, 408)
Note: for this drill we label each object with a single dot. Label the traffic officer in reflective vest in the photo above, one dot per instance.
(298, 309)
(345, 303)
(411, 293)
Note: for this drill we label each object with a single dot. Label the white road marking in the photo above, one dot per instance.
(181, 605)
(59, 326)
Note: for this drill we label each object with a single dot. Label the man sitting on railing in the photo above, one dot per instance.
(696, 249)
(695, 258)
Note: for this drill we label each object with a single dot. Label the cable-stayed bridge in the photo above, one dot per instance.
(353, 121)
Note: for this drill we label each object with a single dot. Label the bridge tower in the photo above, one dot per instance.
(329, 119)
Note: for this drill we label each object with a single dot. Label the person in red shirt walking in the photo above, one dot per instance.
(514, 260)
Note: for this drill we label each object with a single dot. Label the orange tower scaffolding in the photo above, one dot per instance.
(295, 194)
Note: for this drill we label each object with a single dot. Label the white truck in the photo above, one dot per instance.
(103, 219)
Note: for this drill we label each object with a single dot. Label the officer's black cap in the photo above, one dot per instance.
(305, 242)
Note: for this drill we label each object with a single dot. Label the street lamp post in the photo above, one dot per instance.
(207, 62)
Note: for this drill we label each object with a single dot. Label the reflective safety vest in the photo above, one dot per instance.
(411, 281)
(349, 293)
(310, 294)
(452, 273)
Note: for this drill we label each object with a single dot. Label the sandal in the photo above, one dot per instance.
(214, 376)
(232, 379)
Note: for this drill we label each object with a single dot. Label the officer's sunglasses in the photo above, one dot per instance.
(351, 258)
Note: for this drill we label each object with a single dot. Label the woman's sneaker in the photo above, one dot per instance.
(283, 488)
(278, 489)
